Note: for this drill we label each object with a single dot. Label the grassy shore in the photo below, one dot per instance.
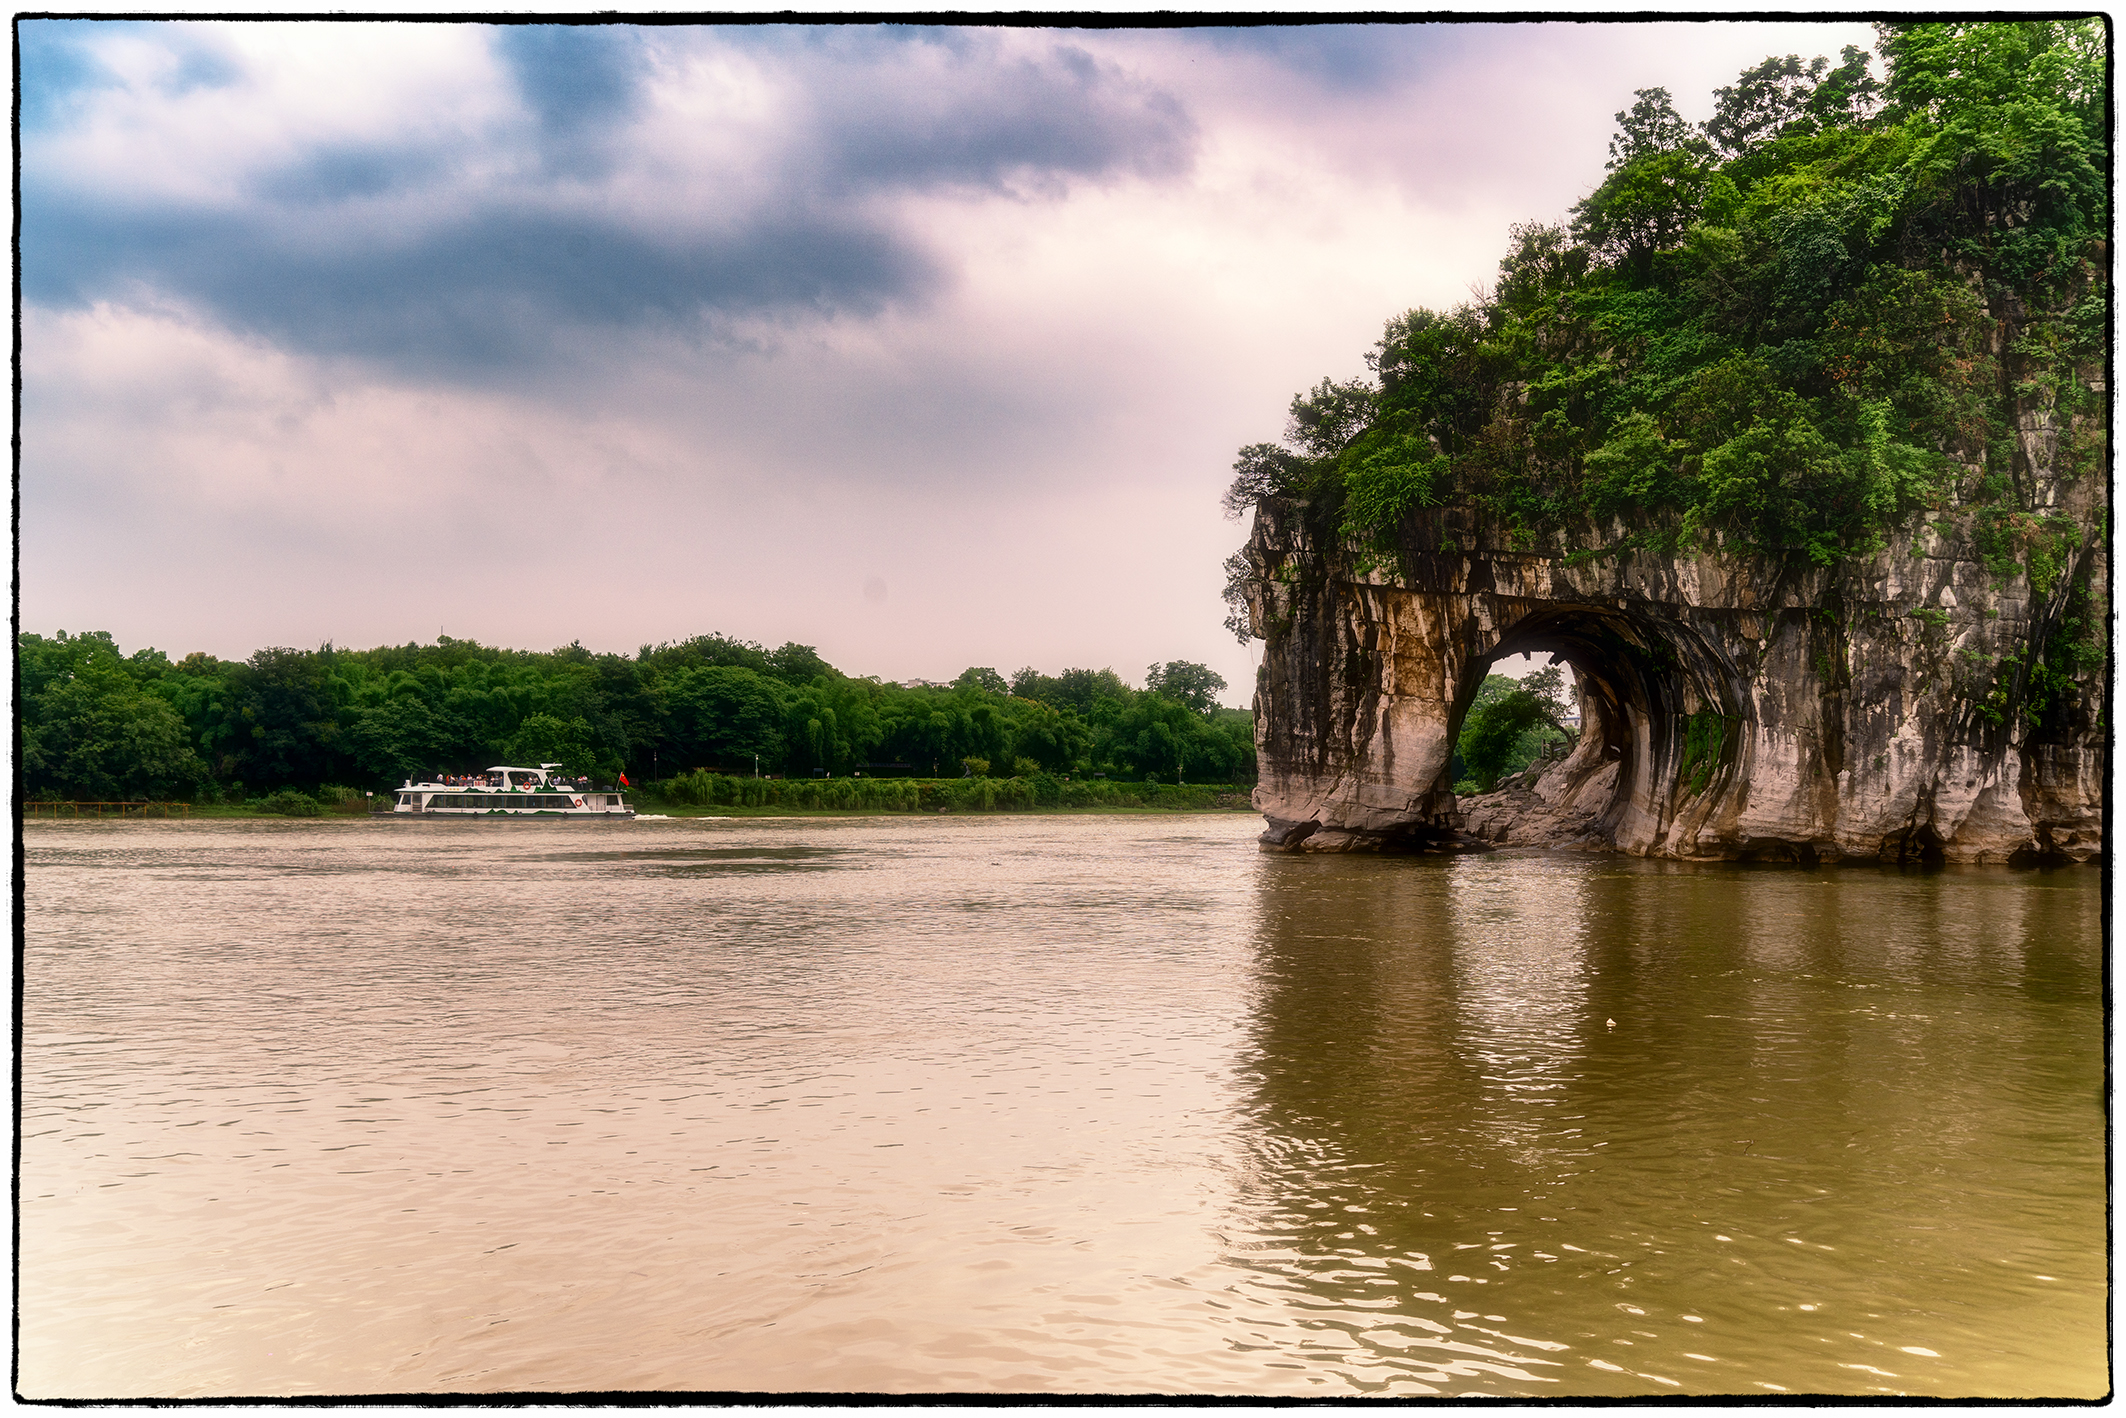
(791, 798)
(1032, 793)
(1097, 810)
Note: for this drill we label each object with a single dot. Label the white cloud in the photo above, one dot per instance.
(269, 94)
(1027, 452)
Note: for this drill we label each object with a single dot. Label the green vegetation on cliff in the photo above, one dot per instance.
(1784, 329)
(1510, 724)
(96, 723)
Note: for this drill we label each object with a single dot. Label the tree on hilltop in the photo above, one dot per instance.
(1196, 686)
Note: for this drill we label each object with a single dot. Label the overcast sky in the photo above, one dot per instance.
(928, 347)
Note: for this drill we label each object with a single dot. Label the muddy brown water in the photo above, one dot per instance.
(1088, 1105)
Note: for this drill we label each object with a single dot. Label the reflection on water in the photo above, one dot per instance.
(1091, 1105)
(1552, 1126)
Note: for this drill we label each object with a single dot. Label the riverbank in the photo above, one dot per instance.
(1096, 810)
(709, 795)
(1031, 792)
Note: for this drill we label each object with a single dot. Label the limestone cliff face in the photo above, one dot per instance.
(1733, 706)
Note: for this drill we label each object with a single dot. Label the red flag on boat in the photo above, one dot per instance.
(624, 782)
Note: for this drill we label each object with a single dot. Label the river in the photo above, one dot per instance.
(1043, 1104)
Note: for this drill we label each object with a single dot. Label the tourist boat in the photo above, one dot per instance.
(510, 792)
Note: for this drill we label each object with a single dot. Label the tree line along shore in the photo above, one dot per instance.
(701, 723)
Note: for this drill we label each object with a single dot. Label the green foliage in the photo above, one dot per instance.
(1026, 791)
(1635, 470)
(2076, 652)
(1651, 128)
(548, 738)
(1194, 686)
(1704, 735)
(290, 803)
(1508, 724)
(1393, 474)
(722, 714)
(1644, 207)
(1785, 96)
(1325, 420)
(1491, 734)
(2051, 543)
(92, 729)
(97, 724)
(1784, 331)
(792, 664)
(2010, 542)
(1434, 370)
(1264, 471)
(1079, 691)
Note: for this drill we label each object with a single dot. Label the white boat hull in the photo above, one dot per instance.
(512, 792)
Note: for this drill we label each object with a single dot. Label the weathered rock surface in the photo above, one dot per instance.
(1734, 707)
(1541, 808)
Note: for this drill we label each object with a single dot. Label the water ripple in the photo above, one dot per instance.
(1043, 1105)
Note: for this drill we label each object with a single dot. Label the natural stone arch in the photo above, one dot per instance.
(1853, 706)
(1659, 714)
(1377, 702)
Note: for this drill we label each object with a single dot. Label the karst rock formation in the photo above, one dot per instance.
(1733, 706)
(1793, 441)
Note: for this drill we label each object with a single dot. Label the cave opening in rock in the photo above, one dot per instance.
(1652, 717)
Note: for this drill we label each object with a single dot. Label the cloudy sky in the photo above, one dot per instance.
(928, 347)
